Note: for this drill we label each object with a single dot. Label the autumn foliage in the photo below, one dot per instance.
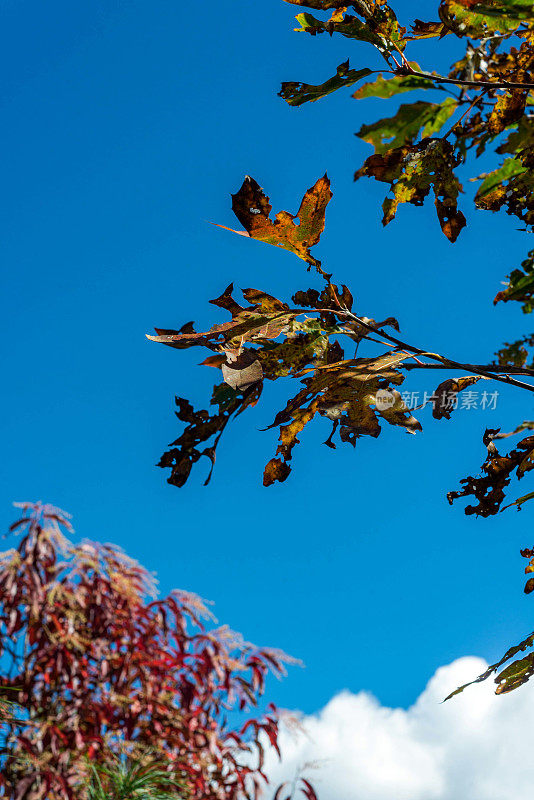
(99, 666)
(421, 148)
(102, 667)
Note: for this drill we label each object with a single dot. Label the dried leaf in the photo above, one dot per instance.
(446, 395)
(489, 489)
(200, 428)
(514, 353)
(412, 171)
(427, 30)
(243, 371)
(263, 320)
(277, 470)
(252, 208)
(508, 109)
(392, 408)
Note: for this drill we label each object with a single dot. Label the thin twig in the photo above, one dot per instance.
(466, 112)
(494, 368)
(487, 85)
(447, 362)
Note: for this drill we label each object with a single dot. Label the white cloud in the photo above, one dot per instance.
(477, 746)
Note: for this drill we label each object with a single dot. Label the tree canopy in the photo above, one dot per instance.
(104, 670)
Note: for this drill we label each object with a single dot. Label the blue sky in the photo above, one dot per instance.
(125, 126)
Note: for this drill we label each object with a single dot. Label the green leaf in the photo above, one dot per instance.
(442, 113)
(520, 287)
(404, 127)
(512, 187)
(388, 87)
(520, 138)
(508, 169)
(380, 26)
(296, 94)
(483, 19)
(309, 24)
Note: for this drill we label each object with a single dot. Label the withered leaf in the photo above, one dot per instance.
(263, 320)
(201, 426)
(412, 171)
(488, 490)
(510, 187)
(344, 392)
(446, 395)
(527, 425)
(320, 5)
(396, 412)
(293, 354)
(378, 26)
(242, 372)
(509, 108)
(265, 301)
(515, 353)
(308, 298)
(427, 30)
(276, 469)
(252, 208)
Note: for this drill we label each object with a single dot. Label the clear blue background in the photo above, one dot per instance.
(124, 126)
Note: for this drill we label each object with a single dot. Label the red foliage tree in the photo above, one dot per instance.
(102, 666)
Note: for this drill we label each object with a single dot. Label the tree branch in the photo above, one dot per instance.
(493, 368)
(447, 363)
(458, 82)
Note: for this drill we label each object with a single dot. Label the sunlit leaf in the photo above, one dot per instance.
(388, 87)
(508, 109)
(411, 118)
(376, 24)
(482, 19)
(412, 171)
(297, 233)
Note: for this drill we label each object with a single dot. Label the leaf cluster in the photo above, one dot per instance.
(480, 108)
